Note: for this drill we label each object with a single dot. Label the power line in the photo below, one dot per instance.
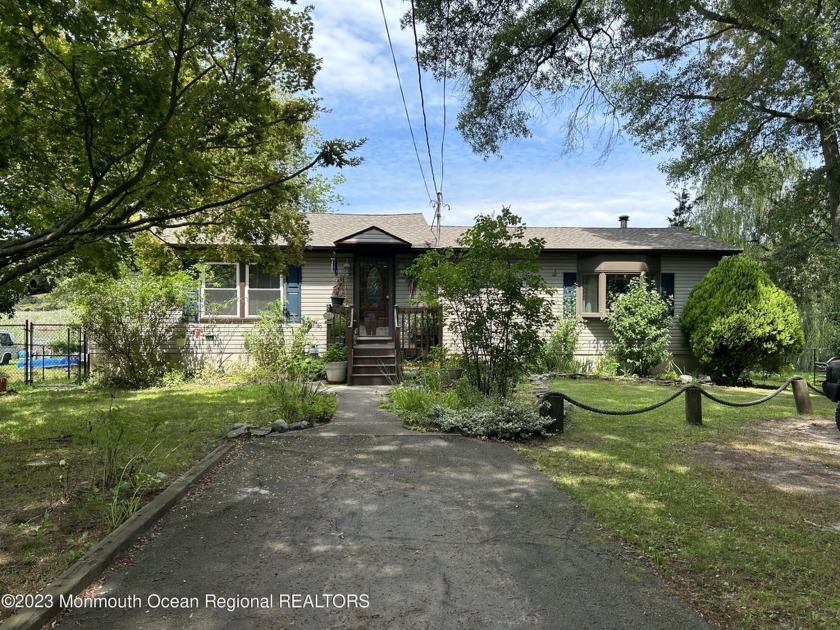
(422, 99)
(445, 62)
(405, 105)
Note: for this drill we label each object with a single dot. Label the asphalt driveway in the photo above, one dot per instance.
(362, 524)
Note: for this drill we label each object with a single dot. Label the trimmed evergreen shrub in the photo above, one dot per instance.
(737, 320)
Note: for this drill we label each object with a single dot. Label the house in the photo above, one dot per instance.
(583, 265)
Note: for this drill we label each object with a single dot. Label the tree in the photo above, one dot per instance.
(719, 81)
(133, 115)
(737, 320)
(496, 301)
(638, 320)
(682, 213)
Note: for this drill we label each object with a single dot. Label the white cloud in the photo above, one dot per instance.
(359, 85)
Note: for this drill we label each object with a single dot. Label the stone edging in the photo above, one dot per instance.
(90, 566)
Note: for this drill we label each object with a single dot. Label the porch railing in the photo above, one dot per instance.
(417, 330)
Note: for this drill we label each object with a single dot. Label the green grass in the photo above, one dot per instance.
(744, 552)
(56, 448)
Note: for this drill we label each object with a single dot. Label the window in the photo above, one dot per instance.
(240, 290)
(617, 284)
(591, 289)
(220, 290)
(263, 288)
(604, 276)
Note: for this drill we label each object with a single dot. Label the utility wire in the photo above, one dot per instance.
(405, 105)
(422, 99)
(445, 61)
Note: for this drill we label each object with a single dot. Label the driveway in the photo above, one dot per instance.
(362, 524)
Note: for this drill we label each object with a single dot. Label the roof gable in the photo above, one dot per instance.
(372, 236)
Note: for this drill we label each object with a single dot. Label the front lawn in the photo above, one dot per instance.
(747, 547)
(63, 452)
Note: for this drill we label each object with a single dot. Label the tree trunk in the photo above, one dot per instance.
(831, 158)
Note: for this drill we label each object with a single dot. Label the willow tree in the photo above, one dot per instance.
(129, 115)
(715, 81)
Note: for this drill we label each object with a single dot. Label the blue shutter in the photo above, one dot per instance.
(667, 284)
(293, 281)
(569, 294)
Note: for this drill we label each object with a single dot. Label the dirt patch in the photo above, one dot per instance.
(793, 454)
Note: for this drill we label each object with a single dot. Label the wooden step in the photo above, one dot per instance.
(373, 352)
(377, 360)
(371, 379)
(390, 370)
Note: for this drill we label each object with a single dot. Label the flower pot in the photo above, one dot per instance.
(455, 373)
(337, 301)
(336, 371)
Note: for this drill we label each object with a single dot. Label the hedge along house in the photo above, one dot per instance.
(379, 323)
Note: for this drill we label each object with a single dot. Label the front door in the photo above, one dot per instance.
(374, 301)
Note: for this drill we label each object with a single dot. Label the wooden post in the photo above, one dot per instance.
(557, 411)
(802, 397)
(694, 406)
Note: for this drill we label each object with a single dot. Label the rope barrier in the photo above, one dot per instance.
(679, 392)
(753, 402)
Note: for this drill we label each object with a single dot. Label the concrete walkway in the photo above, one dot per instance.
(362, 524)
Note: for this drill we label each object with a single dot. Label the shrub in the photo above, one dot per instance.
(276, 356)
(737, 320)
(131, 320)
(335, 353)
(495, 298)
(502, 418)
(558, 351)
(638, 320)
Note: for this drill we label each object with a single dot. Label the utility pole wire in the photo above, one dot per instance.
(405, 105)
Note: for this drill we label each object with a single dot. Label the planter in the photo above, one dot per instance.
(336, 371)
(455, 373)
(337, 301)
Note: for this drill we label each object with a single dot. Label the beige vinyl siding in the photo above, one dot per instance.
(402, 294)
(552, 267)
(688, 271)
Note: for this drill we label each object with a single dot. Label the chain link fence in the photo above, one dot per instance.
(43, 354)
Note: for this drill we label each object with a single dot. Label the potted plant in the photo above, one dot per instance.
(335, 363)
(339, 290)
(455, 366)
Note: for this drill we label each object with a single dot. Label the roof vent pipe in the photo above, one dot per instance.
(623, 219)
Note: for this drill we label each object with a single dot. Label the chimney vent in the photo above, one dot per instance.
(623, 219)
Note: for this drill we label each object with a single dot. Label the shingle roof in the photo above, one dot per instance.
(600, 239)
(329, 228)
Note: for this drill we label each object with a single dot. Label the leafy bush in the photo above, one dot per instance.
(488, 290)
(274, 355)
(503, 418)
(335, 353)
(638, 320)
(131, 321)
(558, 351)
(737, 320)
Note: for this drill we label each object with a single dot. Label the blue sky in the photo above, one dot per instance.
(533, 177)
